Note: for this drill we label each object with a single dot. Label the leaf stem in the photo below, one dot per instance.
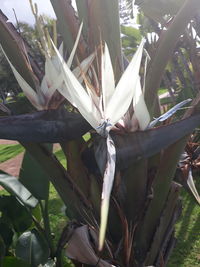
(47, 228)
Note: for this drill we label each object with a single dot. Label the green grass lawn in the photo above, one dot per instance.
(9, 151)
(187, 251)
(57, 217)
(162, 91)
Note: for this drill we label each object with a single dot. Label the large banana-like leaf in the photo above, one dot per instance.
(17, 189)
(162, 180)
(33, 248)
(70, 193)
(68, 25)
(82, 7)
(36, 183)
(134, 189)
(18, 51)
(101, 18)
(75, 165)
(165, 228)
(157, 9)
(165, 50)
(160, 189)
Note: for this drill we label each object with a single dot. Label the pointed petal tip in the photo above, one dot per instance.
(103, 223)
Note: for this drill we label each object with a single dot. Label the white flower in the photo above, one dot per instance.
(114, 102)
(105, 111)
(52, 79)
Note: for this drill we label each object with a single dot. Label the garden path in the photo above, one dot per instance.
(12, 166)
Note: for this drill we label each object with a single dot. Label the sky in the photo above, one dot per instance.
(23, 10)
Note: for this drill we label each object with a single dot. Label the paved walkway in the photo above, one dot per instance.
(7, 142)
(12, 166)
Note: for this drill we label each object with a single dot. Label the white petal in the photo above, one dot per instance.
(61, 49)
(78, 94)
(71, 57)
(140, 108)
(28, 91)
(44, 85)
(55, 59)
(52, 78)
(108, 81)
(123, 95)
(95, 99)
(83, 68)
(192, 186)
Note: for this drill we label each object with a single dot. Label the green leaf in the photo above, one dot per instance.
(14, 262)
(37, 182)
(135, 189)
(36, 212)
(68, 25)
(102, 24)
(15, 212)
(160, 187)
(165, 49)
(14, 187)
(32, 248)
(82, 7)
(6, 232)
(169, 216)
(2, 248)
(71, 195)
(133, 34)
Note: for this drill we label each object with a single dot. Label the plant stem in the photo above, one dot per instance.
(47, 228)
